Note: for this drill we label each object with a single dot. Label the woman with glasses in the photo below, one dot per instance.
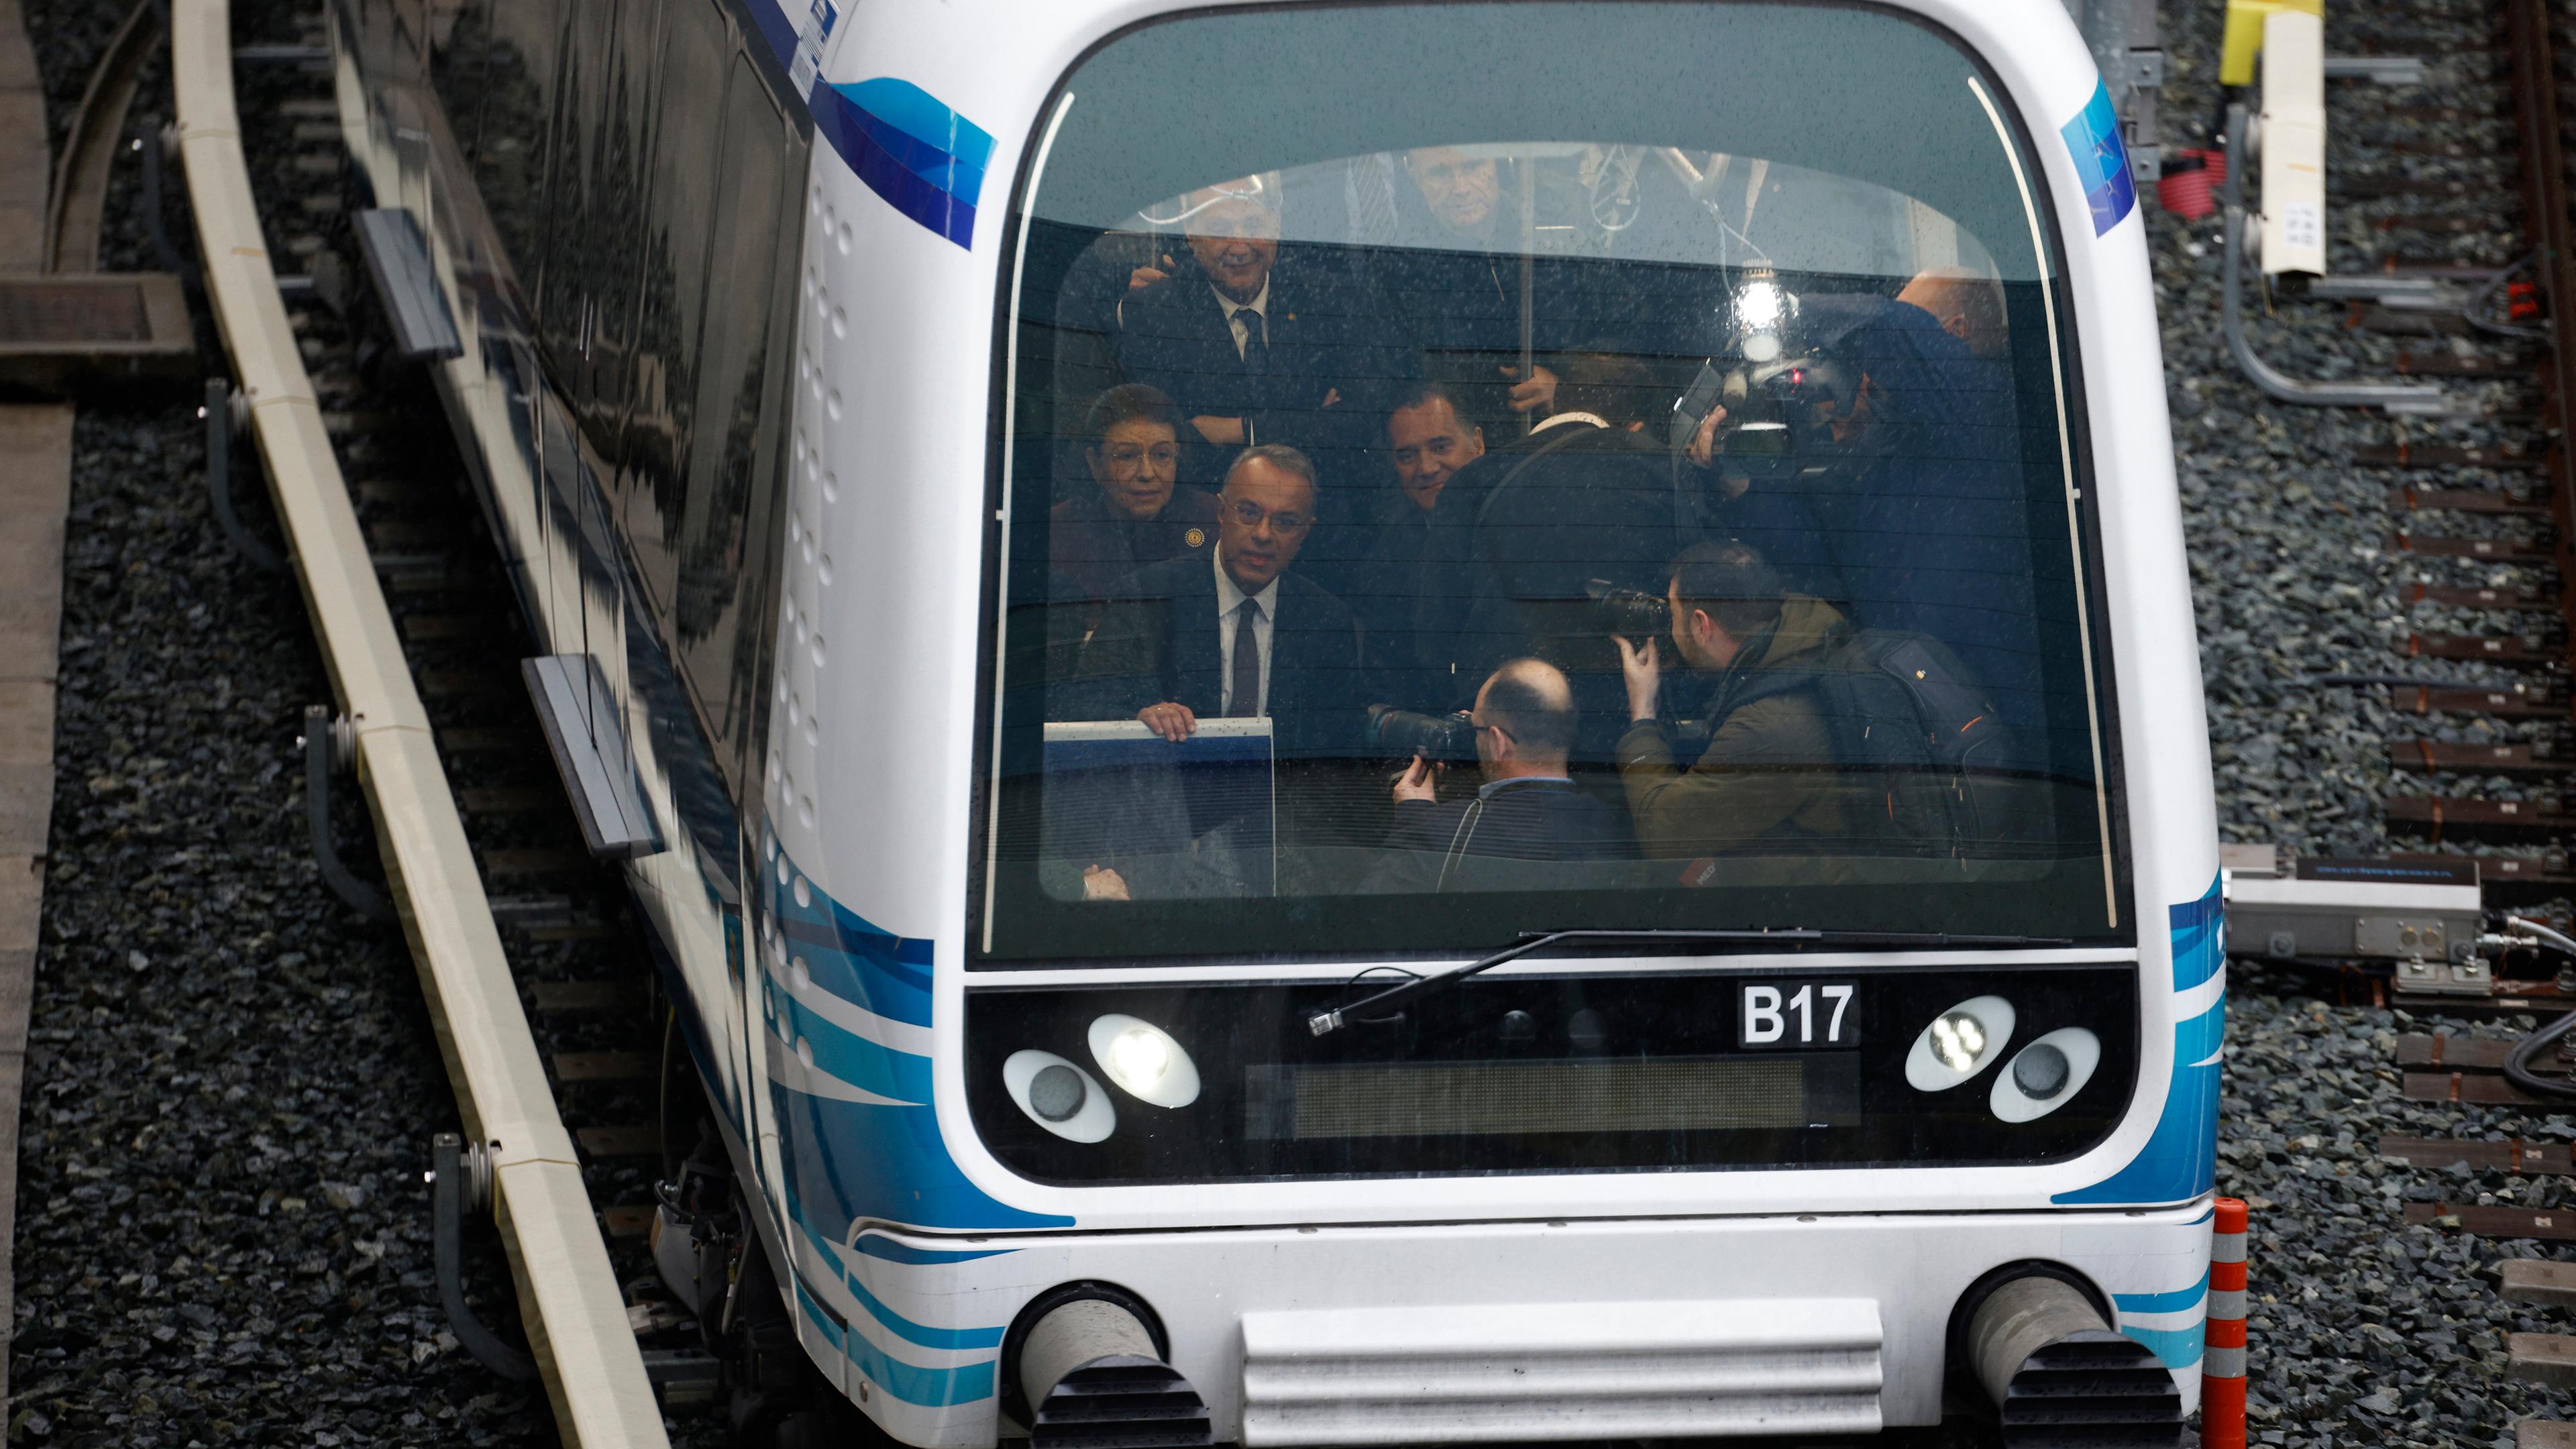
(1136, 514)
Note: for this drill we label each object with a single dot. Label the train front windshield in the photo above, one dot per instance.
(1481, 469)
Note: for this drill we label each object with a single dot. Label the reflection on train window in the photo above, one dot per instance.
(661, 427)
(1640, 497)
(522, 47)
(717, 523)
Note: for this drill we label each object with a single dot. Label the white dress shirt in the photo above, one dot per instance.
(1265, 608)
(1239, 324)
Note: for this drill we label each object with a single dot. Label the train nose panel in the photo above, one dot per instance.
(1561, 1371)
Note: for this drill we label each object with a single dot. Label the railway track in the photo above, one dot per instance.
(550, 1021)
(2482, 524)
(2499, 514)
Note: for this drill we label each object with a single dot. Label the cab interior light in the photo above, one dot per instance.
(1959, 1043)
(2046, 1074)
(1144, 1060)
(1059, 1096)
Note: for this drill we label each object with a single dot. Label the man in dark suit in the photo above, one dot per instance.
(1528, 814)
(1239, 635)
(1428, 441)
(1522, 534)
(1260, 347)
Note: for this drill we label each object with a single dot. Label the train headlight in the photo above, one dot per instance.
(1959, 1043)
(2046, 1074)
(1143, 1058)
(1059, 1096)
(1958, 1040)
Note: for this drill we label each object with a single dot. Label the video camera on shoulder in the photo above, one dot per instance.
(1775, 373)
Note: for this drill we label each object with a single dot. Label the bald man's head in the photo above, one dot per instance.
(1968, 304)
(1531, 703)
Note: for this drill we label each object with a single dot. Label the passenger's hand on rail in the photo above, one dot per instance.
(1173, 722)
(1538, 392)
(1415, 783)
(1100, 883)
(1224, 432)
(1143, 277)
(1644, 673)
(1703, 443)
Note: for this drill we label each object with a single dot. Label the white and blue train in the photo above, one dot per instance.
(1111, 533)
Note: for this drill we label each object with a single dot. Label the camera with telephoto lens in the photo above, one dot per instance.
(1631, 613)
(1447, 738)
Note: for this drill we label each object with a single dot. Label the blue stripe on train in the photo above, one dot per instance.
(889, 1250)
(923, 158)
(843, 123)
(912, 1383)
(850, 958)
(2175, 1348)
(848, 1057)
(2180, 1159)
(927, 1335)
(852, 1160)
(957, 175)
(2173, 1301)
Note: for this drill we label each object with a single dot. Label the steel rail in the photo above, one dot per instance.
(2544, 203)
(568, 1293)
(78, 196)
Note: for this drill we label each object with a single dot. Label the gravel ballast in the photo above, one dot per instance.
(2362, 1330)
(224, 1236)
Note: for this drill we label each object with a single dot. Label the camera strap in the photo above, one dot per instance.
(1458, 839)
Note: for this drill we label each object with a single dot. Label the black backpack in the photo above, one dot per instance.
(1929, 757)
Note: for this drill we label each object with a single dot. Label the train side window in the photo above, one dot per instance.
(662, 384)
(566, 279)
(518, 85)
(717, 514)
(613, 258)
(459, 66)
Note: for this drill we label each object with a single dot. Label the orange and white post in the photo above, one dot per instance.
(2222, 1363)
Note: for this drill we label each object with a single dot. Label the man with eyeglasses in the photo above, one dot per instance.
(1528, 813)
(1237, 635)
(1135, 514)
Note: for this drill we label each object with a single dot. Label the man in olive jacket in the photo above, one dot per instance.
(1767, 782)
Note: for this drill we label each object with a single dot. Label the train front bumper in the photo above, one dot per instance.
(1515, 1331)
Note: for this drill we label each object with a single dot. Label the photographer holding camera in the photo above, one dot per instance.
(1767, 779)
(1528, 809)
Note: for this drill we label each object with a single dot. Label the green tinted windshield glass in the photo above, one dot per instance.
(1475, 469)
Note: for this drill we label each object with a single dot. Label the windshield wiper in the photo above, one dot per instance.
(1324, 1023)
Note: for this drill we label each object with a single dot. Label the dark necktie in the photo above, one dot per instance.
(1247, 663)
(1256, 341)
